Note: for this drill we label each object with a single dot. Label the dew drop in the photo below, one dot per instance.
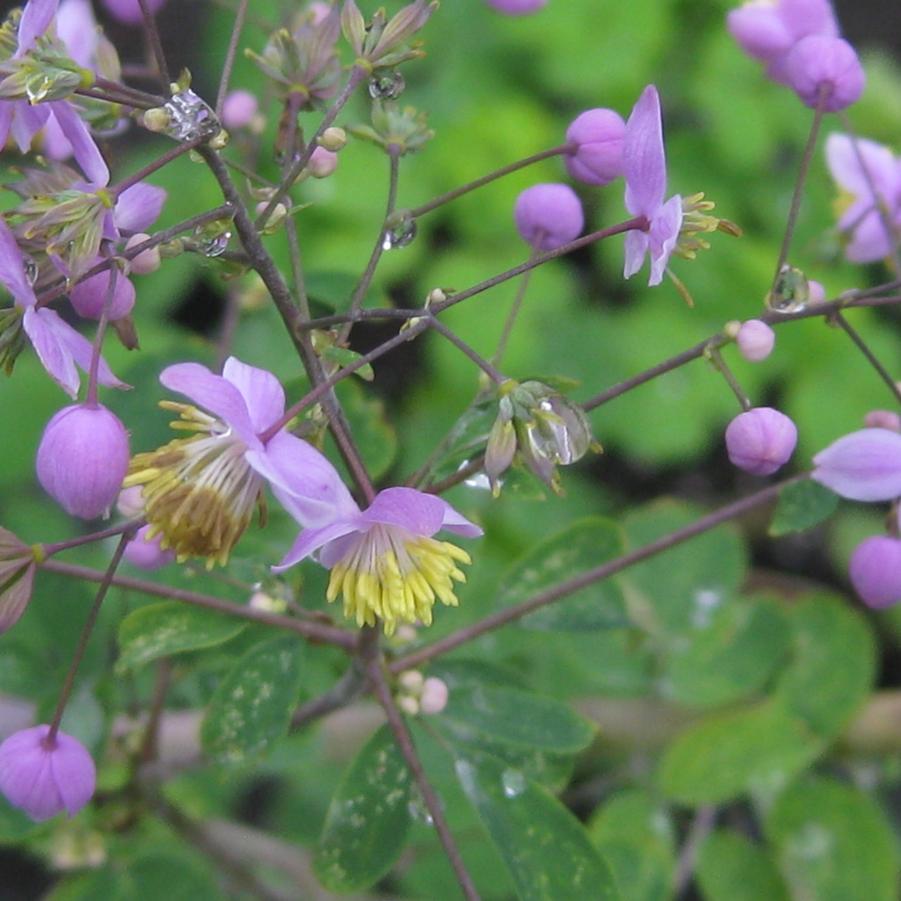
(514, 783)
(791, 291)
(386, 85)
(190, 117)
(399, 233)
(31, 270)
(418, 811)
(213, 245)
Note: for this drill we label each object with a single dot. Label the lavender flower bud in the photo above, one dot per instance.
(759, 31)
(129, 11)
(883, 419)
(89, 296)
(816, 293)
(761, 440)
(819, 63)
(147, 553)
(146, 261)
(44, 778)
(322, 163)
(82, 459)
(862, 466)
(598, 138)
(517, 7)
(755, 340)
(548, 215)
(875, 571)
(434, 695)
(239, 109)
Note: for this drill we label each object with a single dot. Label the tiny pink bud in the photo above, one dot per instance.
(130, 502)
(597, 136)
(89, 296)
(239, 109)
(548, 215)
(434, 695)
(883, 419)
(42, 778)
(129, 11)
(82, 459)
(517, 7)
(146, 261)
(322, 163)
(755, 340)
(818, 64)
(816, 293)
(761, 440)
(146, 553)
(875, 571)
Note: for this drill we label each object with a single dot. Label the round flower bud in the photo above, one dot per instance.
(548, 215)
(333, 138)
(761, 440)
(239, 109)
(89, 296)
(130, 502)
(816, 293)
(517, 7)
(755, 340)
(411, 680)
(275, 220)
(42, 778)
(146, 553)
(597, 135)
(146, 261)
(322, 163)
(129, 11)
(82, 459)
(434, 695)
(408, 704)
(156, 119)
(759, 30)
(875, 571)
(883, 419)
(818, 63)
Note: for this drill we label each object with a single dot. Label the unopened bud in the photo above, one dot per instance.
(411, 680)
(276, 217)
(883, 419)
(333, 139)
(146, 261)
(322, 163)
(409, 705)
(755, 340)
(434, 695)
(157, 120)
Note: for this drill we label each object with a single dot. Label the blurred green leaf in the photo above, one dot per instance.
(732, 868)
(834, 843)
(159, 630)
(14, 825)
(544, 846)
(802, 505)
(374, 435)
(368, 819)
(252, 706)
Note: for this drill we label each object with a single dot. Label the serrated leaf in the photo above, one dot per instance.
(509, 716)
(253, 705)
(159, 630)
(802, 505)
(367, 822)
(833, 843)
(732, 868)
(544, 846)
(583, 545)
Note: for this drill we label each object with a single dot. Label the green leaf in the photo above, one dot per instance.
(14, 824)
(252, 707)
(372, 431)
(544, 846)
(834, 843)
(731, 868)
(634, 833)
(159, 630)
(368, 819)
(582, 546)
(332, 289)
(802, 505)
(509, 716)
(344, 356)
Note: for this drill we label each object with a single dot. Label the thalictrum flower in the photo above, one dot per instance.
(761, 440)
(862, 466)
(200, 492)
(825, 73)
(384, 561)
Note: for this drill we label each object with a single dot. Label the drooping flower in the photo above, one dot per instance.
(384, 560)
(862, 466)
(596, 137)
(869, 176)
(755, 340)
(44, 776)
(548, 216)
(761, 440)
(82, 459)
(200, 492)
(825, 73)
(875, 571)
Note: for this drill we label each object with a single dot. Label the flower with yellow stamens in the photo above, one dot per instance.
(384, 561)
(200, 492)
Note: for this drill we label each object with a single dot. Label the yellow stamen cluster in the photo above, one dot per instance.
(199, 493)
(395, 576)
(696, 221)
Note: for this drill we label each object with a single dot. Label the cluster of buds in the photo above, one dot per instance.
(385, 43)
(540, 426)
(417, 694)
(396, 129)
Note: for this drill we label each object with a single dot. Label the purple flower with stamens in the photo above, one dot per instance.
(45, 776)
(59, 347)
(862, 466)
(200, 492)
(384, 561)
(644, 163)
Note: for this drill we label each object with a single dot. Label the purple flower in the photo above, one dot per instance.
(89, 296)
(755, 340)
(859, 173)
(45, 777)
(59, 347)
(862, 466)
(596, 138)
(239, 109)
(644, 164)
(517, 7)
(384, 561)
(761, 440)
(82, 459)
(200, 492)
(875, 571)
(825, 72)
(129, 11)
(548, 216)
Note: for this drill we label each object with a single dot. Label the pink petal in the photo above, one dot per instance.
(27, 121)
(7, 109)
(862, 466)
(43, 328)
(663, 237)
(846, 170)
(84, 149)
(139, 206)
(81, 350)
(261, 390)
(417, 512)
(636, 246)
(77, 29)
(73, 772)
(310, 540)
(12, 268)
(869, 241)
(644, 160)
(35, 20)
